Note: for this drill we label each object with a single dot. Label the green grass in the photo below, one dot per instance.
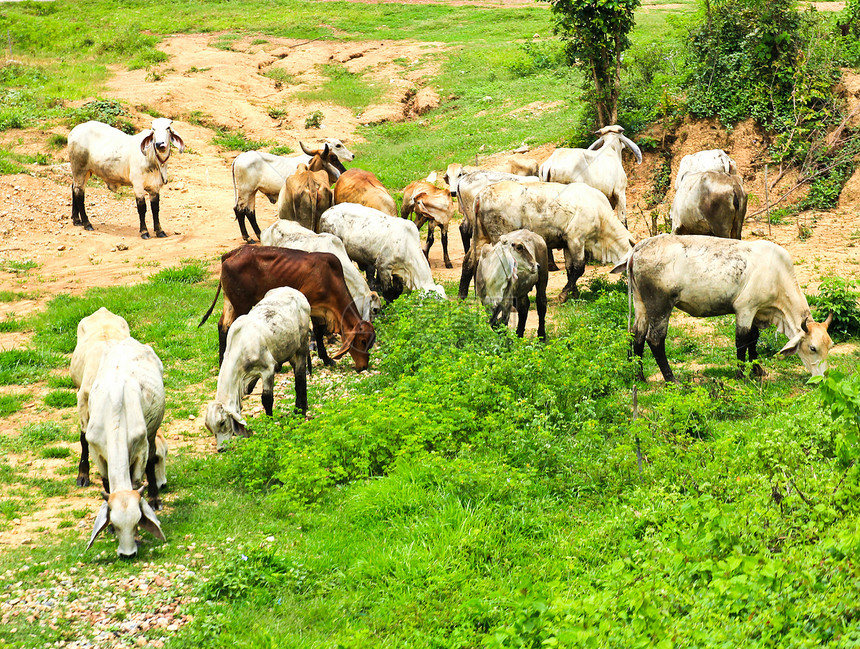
(238, 141)
(345, 88)
(61, 399)
(10, 403)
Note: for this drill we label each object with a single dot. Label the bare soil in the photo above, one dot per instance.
(229, 88)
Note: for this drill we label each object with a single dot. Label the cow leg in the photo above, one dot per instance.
(523, 304)
(466, 275)
(551, 262)
(300, 372)
(79, 210)
(154, 204)
(540, 303)
(656, 338)
(151, 481)
(466, 234)
(444, 238)
(621, 202)
(240, 217)
(431, 228)
(319, 332)
(746, 340)
(84, 464)
(575, 266)
(141, 213)
(252, 219)
(222, 342)
(268, 396)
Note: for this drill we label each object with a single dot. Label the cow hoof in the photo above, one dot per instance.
(144, 235)
(78, 222)
(83, 481)
(758, 372)
(250, 241)
(448, 264)
(88, 227)
(156, 504)
(161, 234)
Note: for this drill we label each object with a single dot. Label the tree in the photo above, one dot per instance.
(595, 34)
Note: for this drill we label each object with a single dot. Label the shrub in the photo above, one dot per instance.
(315, 119)
(838, 296)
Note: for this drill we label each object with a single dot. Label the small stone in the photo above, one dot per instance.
(192, 417)
(121, 246)
(61, 247)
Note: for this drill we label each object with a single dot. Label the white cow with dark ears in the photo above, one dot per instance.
(120, 160)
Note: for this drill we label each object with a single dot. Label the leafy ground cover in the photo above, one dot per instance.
(473, 490)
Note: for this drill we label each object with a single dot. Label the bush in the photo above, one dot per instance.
(838, 296)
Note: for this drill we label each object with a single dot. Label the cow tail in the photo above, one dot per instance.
(211, 308)
(235, 186)
(315, 221)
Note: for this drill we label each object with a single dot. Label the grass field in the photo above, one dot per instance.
(473, 490)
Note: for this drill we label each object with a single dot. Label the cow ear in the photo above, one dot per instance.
(177, 141)
(102, 520)
(149, 521)
(792, 345)
(145, 142)
(340, 353)
(236, 421)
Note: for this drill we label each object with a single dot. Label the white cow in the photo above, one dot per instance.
(466, 183)
(122, 160)
(709, 276)
(507, 271)
(289, 234)
(601, 169)
(257, 171)
(711, 203)
(97, 333)
(711, 160)
(275, 331)
(385, 247)
(126, 407)
(575, 217)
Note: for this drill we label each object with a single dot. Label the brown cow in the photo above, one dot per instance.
(304, 197)
(255, 171)
(249, 272)
(362, 187)
(433, 206)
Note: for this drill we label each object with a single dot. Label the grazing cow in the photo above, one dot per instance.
(120, 160)
(507, 271)
(273, 332)
(249, 272)
(711, 160)
(126, 408)
(288, 234)
(433, 206)
(97, 333)
(575, 217)
(387, 249)
(601, 169)
(466, 184)
(362, 187)
(255, 171)
(709, 202)
(709, 276)
(304, 197)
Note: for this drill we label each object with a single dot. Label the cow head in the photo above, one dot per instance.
(496, 279)
(224, 422)
(812, 344)
(161, 136)
(324, 160)
(358, 343)
(614, 135)
(437, 207)
(340, 151)
(126, 510)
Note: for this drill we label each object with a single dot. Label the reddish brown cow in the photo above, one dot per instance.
(431, 205)
(362, 187)
(249, 272)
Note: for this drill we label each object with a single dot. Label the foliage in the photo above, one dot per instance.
(236, 140)
(838, 296)
(595, 34)
(315, 119)
(108, 111)
(190, 271)
(840, 393)
(768, 61)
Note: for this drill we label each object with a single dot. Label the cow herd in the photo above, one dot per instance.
(339, 244)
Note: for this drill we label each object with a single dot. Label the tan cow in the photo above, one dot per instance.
(362, 187)
(709, 202)
(709, 276)
(431, 205)
(304, 197)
